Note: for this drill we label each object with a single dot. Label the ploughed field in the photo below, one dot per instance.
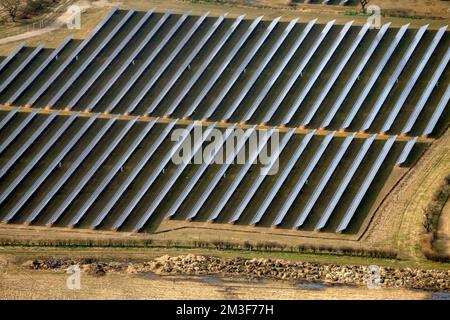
(64, 166)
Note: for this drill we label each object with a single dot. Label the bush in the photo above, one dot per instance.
(26, 9)
(431, 215)
(12, 7)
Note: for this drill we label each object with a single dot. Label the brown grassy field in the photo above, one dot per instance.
(49, 285)
(398, 222)
(17, 282)
(434, 13)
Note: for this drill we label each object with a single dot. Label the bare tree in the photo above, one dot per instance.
(11, 7)
(364, 4)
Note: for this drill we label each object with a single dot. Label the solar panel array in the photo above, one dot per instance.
(141, 75)
(216, 68)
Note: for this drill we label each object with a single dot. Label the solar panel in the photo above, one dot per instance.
(254, 77)
(86, 178)
(74, 54)
(317, 71)
(406, 151)
(108, 61)
(147, 62)
(284, 174)
(392, 80)
(234, 77)
(149, 182)
(163, 92)
(169, 59)
(206, 61)
(222, 67)
(259, 180)
(127, 63)
(136, 170)
(19, 69)
(8, 117)
(198, 174)
(344, 183)
(437, 112)
(79, 160)
(412, 80)
(335, 75)
(237, 180)
(357, 71)
(163, 192)
(366, 184)
(105, 182)
(79, 70)
(31, 190)
(39, 70)
(323, 181)
(374, 76)
(87, 204)
(297, 73)
(25, 145)
(426, 94)
(223, 168)
(18, 130)
(11, 56)
(303, 179)
(37, 157)
(61, 208)
(280, 68)
(49, 195)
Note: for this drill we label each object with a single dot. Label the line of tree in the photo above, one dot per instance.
(14, 9)
(364, 4)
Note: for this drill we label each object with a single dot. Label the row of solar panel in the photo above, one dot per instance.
(237, 70)
(91, 171)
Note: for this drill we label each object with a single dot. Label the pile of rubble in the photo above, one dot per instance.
(86, 265)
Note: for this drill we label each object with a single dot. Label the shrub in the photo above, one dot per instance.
(12, 7)
(431, 215)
